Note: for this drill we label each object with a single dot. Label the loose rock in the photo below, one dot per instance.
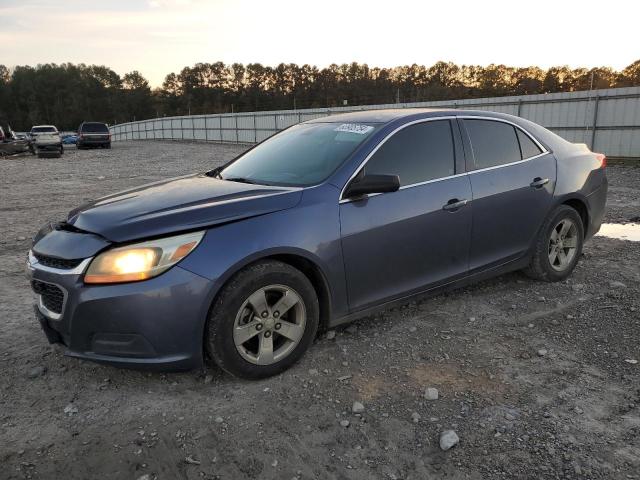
(36, 372)
(542, 352)
(448, 439)
(71, 409)
(344, 423)
(431, 393)
(331, 334)
(357, 407)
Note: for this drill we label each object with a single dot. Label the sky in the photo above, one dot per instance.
(157, 37)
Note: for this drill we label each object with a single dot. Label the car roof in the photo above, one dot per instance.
(93, 123)
(389, 115)
(43, 126)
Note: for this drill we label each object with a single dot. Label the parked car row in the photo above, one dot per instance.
(45, 140)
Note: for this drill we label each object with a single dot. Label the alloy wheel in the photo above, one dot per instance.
(269, 324)
(563, 244)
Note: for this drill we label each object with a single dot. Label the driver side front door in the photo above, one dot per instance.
(398, 243)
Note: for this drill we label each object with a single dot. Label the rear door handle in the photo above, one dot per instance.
(454, 204)
(539, 182)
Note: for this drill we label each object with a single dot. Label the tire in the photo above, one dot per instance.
(233, 312)
(541, 266)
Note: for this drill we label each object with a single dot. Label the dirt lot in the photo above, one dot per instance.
(533, 377)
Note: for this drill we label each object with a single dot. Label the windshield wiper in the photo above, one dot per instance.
(241, 180)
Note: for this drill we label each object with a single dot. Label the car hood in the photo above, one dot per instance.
(171, 206)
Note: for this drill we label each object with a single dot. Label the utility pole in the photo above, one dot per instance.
(398, 95)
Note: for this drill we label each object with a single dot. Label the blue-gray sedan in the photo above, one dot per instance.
(319, 224)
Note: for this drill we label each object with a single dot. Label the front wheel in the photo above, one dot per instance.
(558, 246)
(263, 321)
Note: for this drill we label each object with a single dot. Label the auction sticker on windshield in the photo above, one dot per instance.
(354, 128)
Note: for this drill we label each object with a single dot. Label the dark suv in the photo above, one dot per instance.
(93, 134)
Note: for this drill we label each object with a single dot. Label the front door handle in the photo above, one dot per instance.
(454, 204)
(539, 182)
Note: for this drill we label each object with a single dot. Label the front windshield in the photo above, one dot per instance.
(303, 155)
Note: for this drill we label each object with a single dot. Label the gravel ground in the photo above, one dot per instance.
(534, 378)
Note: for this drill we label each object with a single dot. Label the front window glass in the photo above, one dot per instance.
(302, 155)
(416, 154)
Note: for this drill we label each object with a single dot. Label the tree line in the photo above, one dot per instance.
(67, 94)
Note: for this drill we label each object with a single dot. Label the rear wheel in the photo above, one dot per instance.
(558, 246)
(263, 321)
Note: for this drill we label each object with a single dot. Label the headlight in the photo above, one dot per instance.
(141, 261)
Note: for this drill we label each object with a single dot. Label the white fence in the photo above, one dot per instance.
(606, 120)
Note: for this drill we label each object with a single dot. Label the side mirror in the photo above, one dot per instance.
(372, 184)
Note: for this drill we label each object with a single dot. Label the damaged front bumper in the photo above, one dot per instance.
(155, 324)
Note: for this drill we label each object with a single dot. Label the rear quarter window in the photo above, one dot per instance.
(527, 146)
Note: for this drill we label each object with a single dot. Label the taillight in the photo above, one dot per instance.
(602, 158)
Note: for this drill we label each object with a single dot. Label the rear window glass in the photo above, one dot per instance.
(94, 128)
(493, 143)
(43, 130)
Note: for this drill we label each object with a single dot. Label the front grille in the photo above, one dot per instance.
(54, 262)
(52, 295)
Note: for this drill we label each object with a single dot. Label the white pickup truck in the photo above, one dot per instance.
(47, 140)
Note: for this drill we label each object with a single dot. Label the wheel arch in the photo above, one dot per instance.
(299, 259)
(580, 206)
